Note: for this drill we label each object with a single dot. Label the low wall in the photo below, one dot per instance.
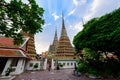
(31, 65)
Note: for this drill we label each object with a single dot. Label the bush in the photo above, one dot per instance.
(8, 71)
(82, 67)
(36, 65)
(95, 64)
(61, 65)
(93, 71)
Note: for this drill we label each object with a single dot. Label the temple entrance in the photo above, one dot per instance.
(49, 64)
(2, 64)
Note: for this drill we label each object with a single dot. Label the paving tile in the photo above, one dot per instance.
(65, 74)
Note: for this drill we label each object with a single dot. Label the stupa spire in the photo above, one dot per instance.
(64, 49)
(63, 32)
(55, 41)
(53, 46)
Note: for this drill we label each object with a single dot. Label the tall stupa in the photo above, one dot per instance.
(53, 46)
(64, 50)
(31, 45)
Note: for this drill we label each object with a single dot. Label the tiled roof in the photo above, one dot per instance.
(6, 42)
(8, 49)
(11, 53)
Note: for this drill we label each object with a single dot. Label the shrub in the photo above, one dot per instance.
(93, 71)
(36, 65)
(8, 71)
(61, 65)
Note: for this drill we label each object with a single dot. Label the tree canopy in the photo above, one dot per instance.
(99, 37)
(100, 34)
(17, 15)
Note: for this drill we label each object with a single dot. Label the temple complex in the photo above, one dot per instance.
(61, 50)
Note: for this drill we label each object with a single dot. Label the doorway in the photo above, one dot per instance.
(3, 62)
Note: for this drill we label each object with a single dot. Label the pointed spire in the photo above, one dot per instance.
(64, 49)
(55, 41)
(63, 32)
(82, 21)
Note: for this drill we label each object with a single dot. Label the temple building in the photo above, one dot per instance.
(64, 50)
(13, 56)
(53, 47)
(20, 57)
(61, 50)
(31, 45)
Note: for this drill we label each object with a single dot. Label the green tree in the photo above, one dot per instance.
(17, 15)
(100, 34)
(99, 37)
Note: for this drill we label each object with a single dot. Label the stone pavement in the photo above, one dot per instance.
(65, 74)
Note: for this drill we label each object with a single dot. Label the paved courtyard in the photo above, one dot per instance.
(66, 74)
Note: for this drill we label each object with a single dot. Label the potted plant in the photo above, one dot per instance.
(8, 71)
(36, 66)
(60, 65)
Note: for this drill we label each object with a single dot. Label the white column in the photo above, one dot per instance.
(45, 64)
(19, 66)
(52, 67)
(6, 66)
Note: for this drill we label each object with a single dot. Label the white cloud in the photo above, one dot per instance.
(71, 12)
(41, 47)
(75, 2)
(100, 7)
(47, 24)
(78, 4)
(70, 26)
(78, 26)
(41, 43)
(55, 16)
(93, 8)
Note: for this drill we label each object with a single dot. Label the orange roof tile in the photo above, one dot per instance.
(10, 53)
(8, 49)
(6, 42)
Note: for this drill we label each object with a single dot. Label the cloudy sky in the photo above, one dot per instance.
(75, 11)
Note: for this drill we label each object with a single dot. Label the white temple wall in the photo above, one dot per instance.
(45, 64)
(20, 67)
(30, 65)
(17, 69)
(67, 63)
(53, 67)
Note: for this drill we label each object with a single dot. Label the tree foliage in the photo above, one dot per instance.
(17, 15)
(100, 34)
(94, 63)
(99, 37)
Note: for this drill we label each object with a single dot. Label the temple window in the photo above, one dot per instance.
(64, 64)
(67, 64)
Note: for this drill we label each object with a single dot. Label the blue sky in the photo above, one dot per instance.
(74, 11)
